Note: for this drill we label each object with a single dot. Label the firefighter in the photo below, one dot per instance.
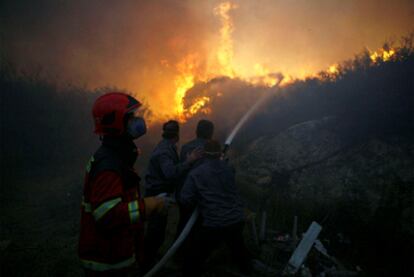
(163, 174)
(204, 132)
(211, 187)
(112, 212)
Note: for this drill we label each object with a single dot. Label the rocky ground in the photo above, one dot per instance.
(358, 189)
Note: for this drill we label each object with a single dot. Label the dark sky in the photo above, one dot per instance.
(146, 47)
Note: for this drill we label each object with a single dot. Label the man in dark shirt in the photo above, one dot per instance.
(204, 132)
(163, 174)
(211, 188)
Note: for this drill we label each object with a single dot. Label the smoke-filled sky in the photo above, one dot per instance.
(154, 48)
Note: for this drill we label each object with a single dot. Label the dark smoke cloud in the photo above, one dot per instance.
(104, 43)
(135, 45)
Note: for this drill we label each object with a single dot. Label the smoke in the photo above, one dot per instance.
(138, 45)
(366, 97)
(133, 45)
(229, 100)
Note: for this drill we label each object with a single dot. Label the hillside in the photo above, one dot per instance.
(333, 148)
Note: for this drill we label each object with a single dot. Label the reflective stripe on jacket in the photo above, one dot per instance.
(98, 213)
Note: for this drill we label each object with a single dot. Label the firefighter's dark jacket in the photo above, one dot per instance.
(211, 186)
(112, 211)
(164, 169)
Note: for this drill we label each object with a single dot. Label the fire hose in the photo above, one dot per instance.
(195, 214)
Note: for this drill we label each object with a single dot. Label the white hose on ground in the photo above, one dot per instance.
(176, 244)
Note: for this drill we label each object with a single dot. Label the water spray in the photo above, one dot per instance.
(242, 121)
(195, 214)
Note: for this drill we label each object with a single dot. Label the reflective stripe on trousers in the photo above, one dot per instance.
(97, 266)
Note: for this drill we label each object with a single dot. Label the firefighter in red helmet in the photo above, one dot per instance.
(112, 212)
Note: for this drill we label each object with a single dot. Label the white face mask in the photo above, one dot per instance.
(136, 127)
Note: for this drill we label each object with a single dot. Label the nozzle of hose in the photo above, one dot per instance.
(226, 148)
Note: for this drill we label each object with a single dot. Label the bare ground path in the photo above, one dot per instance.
(39, 226)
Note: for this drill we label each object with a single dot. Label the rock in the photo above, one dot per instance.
(300, 145)
(311, 162)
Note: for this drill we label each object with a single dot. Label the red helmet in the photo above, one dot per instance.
(110, 110)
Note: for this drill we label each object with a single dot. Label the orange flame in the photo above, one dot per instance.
(220, 63)
(286, 81)
(333, 69)
(184, 81)
(189, 66)
(225, 51)
(198, 106)
(382, 54)
(263, 76)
